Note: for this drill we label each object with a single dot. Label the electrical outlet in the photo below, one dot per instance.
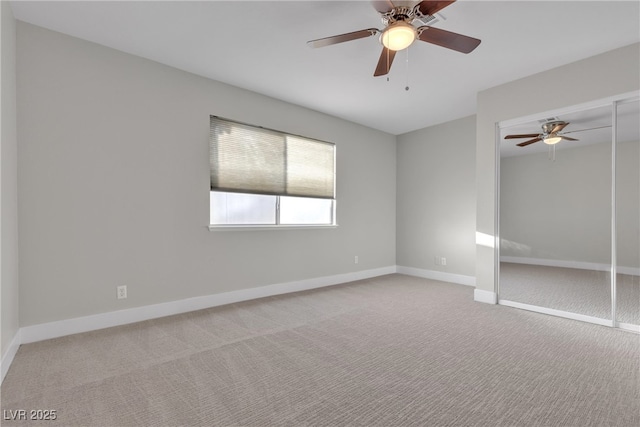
(355, 260)
(122, 292)
(443, 261)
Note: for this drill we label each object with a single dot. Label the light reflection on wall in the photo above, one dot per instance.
(484, 239)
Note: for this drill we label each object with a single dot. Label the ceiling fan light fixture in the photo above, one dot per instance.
(552, 139)
(398, 36)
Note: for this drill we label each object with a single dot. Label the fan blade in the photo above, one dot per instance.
(444, 38)
(431, 7)
(567, 138)
(531, 141)
(382, 6)
(343, 37)
(557, 128)
(385, 61)
(524, 135)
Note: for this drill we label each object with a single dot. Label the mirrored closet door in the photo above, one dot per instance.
(555, 214)
(627, 295)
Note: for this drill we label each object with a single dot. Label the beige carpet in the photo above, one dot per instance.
(568, 289)
(390, 351)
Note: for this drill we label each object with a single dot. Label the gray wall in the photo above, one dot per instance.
(8, 181)
(611, 73)
(561, 210)
(436, 197)
(114, 185)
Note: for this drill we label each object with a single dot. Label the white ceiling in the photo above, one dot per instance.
(261, 46)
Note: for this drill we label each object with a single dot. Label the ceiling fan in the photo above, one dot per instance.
(400, 32)
(550, 134)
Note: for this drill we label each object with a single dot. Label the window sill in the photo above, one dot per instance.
(269, 227)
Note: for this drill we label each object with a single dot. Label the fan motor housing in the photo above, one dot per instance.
(406, 14)
(549, 126)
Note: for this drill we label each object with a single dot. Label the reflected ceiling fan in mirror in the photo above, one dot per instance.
(551, 134)
(402, 28)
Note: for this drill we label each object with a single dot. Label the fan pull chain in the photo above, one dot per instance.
(407, 86)
(388, 68)
(552, 153)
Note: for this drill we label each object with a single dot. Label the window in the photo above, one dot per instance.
(261, 177)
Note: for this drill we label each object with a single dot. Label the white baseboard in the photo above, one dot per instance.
(629, 327)
(632, 271)
(554, 312)
(478, 294)
(7, 357)
(437, 275)
(94, 322)
(487, 297)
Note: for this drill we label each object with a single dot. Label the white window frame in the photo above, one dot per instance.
(278, 224)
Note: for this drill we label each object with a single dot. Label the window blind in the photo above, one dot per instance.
(250, 159)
